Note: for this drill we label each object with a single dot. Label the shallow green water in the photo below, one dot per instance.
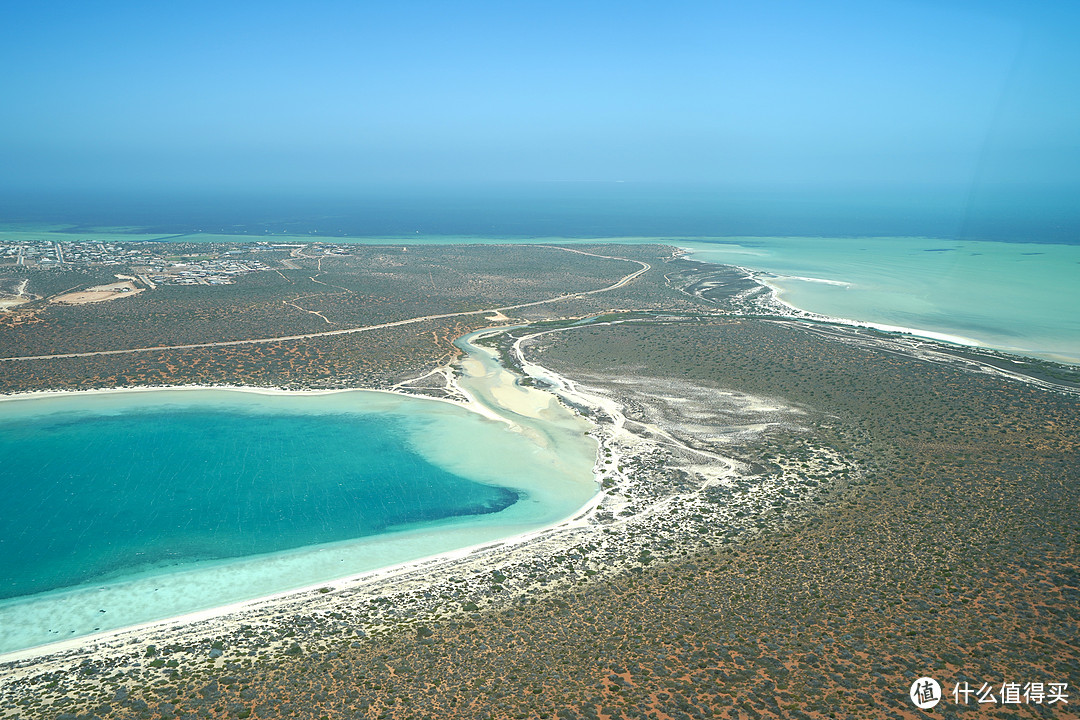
(1019, 297)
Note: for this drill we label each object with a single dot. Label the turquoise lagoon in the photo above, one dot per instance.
(131, 506)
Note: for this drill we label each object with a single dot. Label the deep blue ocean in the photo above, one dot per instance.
(572, 210)
(952, 263)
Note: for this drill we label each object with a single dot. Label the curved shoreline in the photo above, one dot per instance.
(494, 533)
(779, 303)
(777, 295)
(661, 497)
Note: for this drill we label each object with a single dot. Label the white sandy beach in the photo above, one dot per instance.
(1015, 297)
(778, 292)
(411, 544)
(658, 492)
(782, 306)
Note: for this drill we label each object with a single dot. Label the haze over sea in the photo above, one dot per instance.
(996, 266)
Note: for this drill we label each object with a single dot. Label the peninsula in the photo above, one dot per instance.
(791, 516)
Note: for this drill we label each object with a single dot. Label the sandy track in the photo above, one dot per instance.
(645, 267)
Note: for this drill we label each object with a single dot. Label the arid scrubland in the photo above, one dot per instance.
(947, 545)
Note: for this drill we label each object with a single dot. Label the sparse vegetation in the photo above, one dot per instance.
(944, 543)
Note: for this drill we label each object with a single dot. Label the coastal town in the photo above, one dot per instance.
(152, 264)
(163, 263)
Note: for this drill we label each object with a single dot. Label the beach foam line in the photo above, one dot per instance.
(929, 334)
(823, 281)
(898, 329)
(776, 294)
(733, 248)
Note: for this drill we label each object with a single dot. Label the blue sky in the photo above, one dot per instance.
(336, 94)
